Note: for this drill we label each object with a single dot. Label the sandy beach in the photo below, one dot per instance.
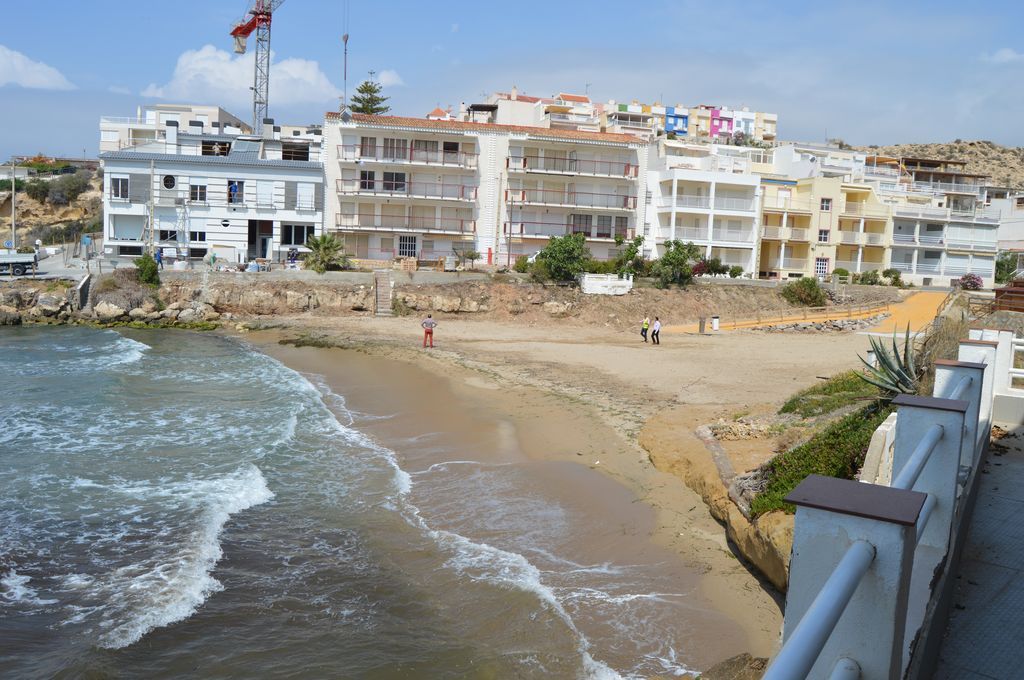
(569, 402)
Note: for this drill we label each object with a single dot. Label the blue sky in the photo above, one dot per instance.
(867, 72)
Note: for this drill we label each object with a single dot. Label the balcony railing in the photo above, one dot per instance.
(572, 166)
(881, 171)
(734, 235)
(737, 204)
(907, 267)
(407, 155)
(691, 234)
(368, 222)
(776, 233)
(549, 229)
(899, 239)
(949, 187)
(456, 192)
(786, 205)
(849, 237)
(572, 199)
(786, 263)
(929, 267)
(873, 238)
(983, 246)
(862, 210)
(990, 215)
(685, 201)
(798, 234)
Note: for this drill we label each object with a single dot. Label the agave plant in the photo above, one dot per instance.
(895, 372)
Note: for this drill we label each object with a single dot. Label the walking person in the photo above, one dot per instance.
(159, 258)
(656, 332)
(428, 330)
(644, 326)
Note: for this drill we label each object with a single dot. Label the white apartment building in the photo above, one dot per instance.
(712, 200)
(192, 192)
(149, 123)
(412, 187)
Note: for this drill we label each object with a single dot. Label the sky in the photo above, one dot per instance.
(865, 72)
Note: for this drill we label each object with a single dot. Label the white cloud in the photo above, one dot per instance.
(117, 89)
(1005, 55)
(17, 69)
(455, 28)
(390, 78)
(212, 76)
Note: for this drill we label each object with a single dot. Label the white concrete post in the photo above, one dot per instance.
(982, 352)
(913, 262)
(672, 215)
(782, 255)
(948, 376)
(1004, 360)
(860, 257)
(831, 515)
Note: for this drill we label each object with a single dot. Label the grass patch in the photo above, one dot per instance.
(837, 451)
(838, 391)
(59, 285)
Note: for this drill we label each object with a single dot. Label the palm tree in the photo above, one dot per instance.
(325, 252)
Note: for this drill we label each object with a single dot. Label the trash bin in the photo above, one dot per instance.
(714, 322)
(449, 263)
(700, 325)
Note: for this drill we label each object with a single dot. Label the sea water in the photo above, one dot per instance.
(178, 504)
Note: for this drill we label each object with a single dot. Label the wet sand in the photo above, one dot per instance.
(634, 514)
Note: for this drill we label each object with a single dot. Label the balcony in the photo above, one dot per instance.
(545, 230)
(973, 246)
(786, 205)
(903, 239)
(685, 202)
(929, 267)
(903, 267)
(691, 234)
(986, 215)
(734, 204)
(773, 233)
(874, 238)
(859, 209)
(949, 188)
(931, 240)
(395, 189)
(733, 235)
(799, 235)
(405, 155)
(570, 199)
(418, 225)
(851, 237)
(571, 166)
(792, 263)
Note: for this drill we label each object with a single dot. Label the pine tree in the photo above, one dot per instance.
(368, 98)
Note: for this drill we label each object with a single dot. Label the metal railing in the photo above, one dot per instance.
(873, 238)
(839, 623)
(406, 154)
(849, 237)
(549, 229)
(571, 198)
(459, 192)
(368, 222)
(737, 204)
(862, 210)
(798, 234)
(572, 166)
(734, 235)
(787, 205)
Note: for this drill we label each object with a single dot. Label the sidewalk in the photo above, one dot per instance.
(985, 634)
(919, 309)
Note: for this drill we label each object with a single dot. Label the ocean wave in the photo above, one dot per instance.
(141, 597)
(16, 590)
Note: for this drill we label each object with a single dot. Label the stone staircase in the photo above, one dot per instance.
(382, 293)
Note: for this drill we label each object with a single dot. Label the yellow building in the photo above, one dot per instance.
(810, 227)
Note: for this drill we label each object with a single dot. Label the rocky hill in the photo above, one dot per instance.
(52, 222)
(1005, 164)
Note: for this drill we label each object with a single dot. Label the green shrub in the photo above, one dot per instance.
(326, 251)
(839, 271)
(838, 391)
(539, 271)
(735, 271)
(970, 282)
(521, 265)
(37, 190)
(894, 277)
(5, 184)
(870, 278)
(804, 291)
(676, 264)
(836, 451)
(147, 270)
(593, 266)
(67, 188)
(106, 284)
(565, 257)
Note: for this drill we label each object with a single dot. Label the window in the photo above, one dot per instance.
(296, 234)
(826, 205)
(366, 179)
(291, 151)
(823, 235)
(424, 150)
(604, 226)
(119, 188)
(305, 196)
(168, 235)
(129, 250)
(387, 245)
(197, 236)
(197, 252)
(394, 181)
(581, 224)
(395, 148)
(197, 193)
(169, 181)
(451, 152)
(621, 225)
(407, 246)
(236, 191)
(428, 245)
(1020, 201)
(212, 148)
(368, 146)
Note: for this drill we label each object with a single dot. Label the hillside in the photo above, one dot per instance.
(54, 223)
(1005, 164)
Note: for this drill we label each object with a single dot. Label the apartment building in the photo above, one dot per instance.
(708, 199)
(812, 226)
(412, 187)
(149, 123)
(194, 190)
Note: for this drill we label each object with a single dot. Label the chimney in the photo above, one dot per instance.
(515, 93)
(172, 132)
(462, 111)
(268, 128)
(195, 127)
(277, 132)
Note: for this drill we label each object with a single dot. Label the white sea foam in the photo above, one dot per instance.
(16, 589)
(147, 596)
(125, 351)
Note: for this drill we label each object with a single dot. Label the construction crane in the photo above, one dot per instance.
(257, 19)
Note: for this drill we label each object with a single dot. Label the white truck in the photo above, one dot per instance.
(15, 263)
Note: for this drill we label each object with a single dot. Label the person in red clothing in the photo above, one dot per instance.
(428, 330)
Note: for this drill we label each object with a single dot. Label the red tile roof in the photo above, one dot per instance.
(438, 112)
(574, 98)
(463, 126)
(520, 97)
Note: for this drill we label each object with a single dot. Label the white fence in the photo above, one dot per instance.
(605, 284)
(872, 564)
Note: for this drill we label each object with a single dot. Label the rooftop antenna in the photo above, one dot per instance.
(586, 89)
(344, 40)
